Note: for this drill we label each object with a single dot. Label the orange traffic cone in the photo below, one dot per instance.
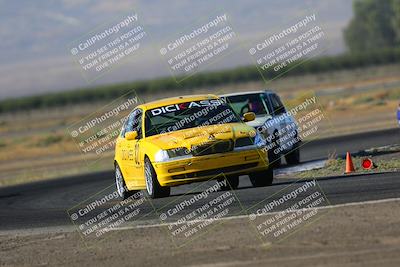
(349, 164)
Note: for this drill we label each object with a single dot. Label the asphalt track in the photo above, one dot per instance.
(44, 204)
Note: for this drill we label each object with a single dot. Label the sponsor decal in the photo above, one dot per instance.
(186, 105)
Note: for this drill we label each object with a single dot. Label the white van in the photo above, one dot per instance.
(272, 120)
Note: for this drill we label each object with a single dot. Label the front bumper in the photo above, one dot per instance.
(183, 171)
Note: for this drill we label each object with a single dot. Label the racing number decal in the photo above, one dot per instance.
(124, 153)
(137, 162)
(129, 154)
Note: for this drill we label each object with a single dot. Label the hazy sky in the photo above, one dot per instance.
(34, 54)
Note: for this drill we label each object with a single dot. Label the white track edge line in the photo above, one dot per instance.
(368, 202)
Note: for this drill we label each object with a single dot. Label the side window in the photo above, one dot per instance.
(134, 123)
(126, 123)
(277, 105)
(265, 102)
(137, 123)
(268, 103)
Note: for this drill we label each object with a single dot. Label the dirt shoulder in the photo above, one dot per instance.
(356, 235)
(35, 145)
(389, 162)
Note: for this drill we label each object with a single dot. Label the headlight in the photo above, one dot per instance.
(161, 156)
(164, 155)
(259, 140)
(178, 152)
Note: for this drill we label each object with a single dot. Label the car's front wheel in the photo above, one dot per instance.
(232, 182)
(122, 190)
(264, 178)
(153, 187)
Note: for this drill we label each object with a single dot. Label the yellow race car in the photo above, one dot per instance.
(187, 139)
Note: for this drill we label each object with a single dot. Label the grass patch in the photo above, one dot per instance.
(364, 100)
(332, 167)
(379, 97)
(49, 140)
(393, 164)
(337, 167)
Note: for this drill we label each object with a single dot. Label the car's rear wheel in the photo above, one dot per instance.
(153, 187)
(293, 157)
(232, 182)
(122, 190)
(264, 178)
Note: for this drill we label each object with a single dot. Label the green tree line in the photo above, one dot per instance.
(237, 75)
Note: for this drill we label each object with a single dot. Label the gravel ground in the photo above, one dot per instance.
(354, 235)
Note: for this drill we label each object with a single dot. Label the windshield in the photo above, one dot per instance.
(188, 115)
(247, 103)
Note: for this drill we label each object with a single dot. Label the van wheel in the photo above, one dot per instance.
(259, 179)
(293, 157)
(153, 187)
(274, 159)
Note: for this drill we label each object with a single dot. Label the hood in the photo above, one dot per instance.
(201, 135)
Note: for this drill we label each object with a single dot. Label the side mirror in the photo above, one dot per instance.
(131, 135)
(249, 116)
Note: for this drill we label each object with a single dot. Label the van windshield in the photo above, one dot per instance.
(247, 103)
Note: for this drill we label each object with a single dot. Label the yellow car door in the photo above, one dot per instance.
(124, 153)
(139, 164)
(133, 162)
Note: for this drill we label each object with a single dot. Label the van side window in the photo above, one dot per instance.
(277, 105)
(267, 104)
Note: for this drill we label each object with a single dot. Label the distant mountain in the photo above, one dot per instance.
(34, 57)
